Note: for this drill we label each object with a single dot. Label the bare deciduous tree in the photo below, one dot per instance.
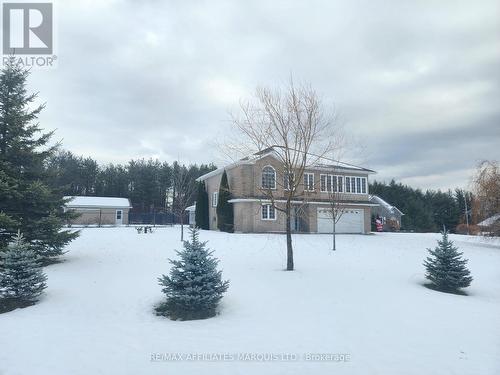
(183, 190)
(292, 122)
(487, 192)
(335, 187)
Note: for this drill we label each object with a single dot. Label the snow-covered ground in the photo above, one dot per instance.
(365, 301)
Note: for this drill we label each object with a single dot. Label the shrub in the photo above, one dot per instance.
(22, 280)
(194, 287)
(446, 270)
(472, 230)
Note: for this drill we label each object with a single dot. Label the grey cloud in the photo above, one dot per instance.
(417, 83)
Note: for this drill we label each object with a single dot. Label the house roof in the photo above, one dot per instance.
(380, 201)
(97, 202)
(489, 221)
(251, 159)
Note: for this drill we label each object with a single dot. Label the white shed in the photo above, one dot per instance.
(99, 210)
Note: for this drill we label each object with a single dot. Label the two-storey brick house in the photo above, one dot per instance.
(250, 178)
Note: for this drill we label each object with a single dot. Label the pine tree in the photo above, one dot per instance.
(194, 287)
(225, 215)
(446, 269)
(22, 280)
(28, 202)
(201, 213)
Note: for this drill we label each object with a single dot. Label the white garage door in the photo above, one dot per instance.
(351, 221)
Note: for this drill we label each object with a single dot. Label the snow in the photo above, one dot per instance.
(489, 221)
(365, 300)
(191, 208)
(78, 201)
(378, 200)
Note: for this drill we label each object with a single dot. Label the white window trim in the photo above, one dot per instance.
(326, 182)
(333, 178)
(121, 215)
(268, 205)
(342, 184)
(215, 198)
(275, 176)
(306, 185)
(285, 187)
(330, 178)
(356, 192)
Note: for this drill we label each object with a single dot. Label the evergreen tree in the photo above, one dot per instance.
(201, 214)
(225, 215)
(21, 277)
(446, 269)
(424, 211)
(149, 184)
(28, 203)
(194, 287)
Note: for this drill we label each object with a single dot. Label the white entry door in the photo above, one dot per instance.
(119, 217)
(351, 221)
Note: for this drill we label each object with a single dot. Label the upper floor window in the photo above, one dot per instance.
(268, 178)
(331, 183)
(356, 185)
(288, 181)
(215, 198)
(340, 184)
(309, 181)
(323, 182)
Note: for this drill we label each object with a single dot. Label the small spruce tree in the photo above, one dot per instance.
(22, 280)
(446, 270)
(225, 214)
(194, 287)
(201, 213)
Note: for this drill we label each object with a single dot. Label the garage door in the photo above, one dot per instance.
(351, 221)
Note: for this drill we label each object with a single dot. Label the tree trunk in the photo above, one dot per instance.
(289, 249)
(182, 228)
(334, 242)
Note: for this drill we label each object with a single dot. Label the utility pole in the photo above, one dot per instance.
(466, 213)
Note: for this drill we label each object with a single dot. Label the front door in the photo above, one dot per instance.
(296, 219)
(119, 217)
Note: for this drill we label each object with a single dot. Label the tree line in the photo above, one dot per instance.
(427, 211)
(149, 184)
(153, 185)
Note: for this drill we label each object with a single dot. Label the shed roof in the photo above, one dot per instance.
(489, 221)
(97, 202)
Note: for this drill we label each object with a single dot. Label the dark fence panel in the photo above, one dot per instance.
(158, 218)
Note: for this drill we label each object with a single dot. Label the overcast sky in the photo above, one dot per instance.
(416, 83)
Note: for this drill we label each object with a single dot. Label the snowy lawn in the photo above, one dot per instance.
(366, 301)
